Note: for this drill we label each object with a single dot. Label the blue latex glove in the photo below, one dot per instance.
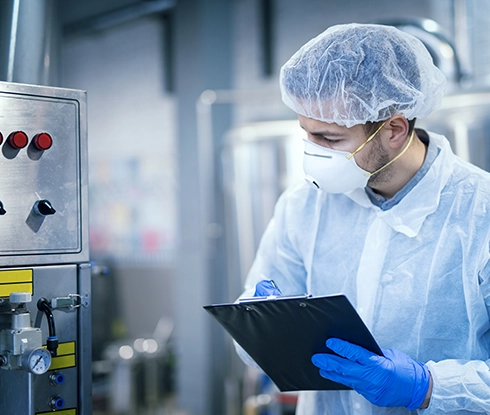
(392, 380)
(265, 288)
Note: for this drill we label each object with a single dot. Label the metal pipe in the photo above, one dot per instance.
(431, 34)
(13, 41)
(207, 163)
(118, 16)
(29, 42)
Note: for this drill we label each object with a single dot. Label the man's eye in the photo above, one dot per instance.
(330, 140)
(321, 138)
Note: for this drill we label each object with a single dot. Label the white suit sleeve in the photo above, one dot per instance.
(459, 386)
(462, 385)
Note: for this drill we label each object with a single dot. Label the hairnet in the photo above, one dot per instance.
(355, 73)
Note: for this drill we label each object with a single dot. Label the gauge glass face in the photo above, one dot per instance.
(39, 361)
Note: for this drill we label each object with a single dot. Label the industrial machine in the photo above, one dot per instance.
(45, 317)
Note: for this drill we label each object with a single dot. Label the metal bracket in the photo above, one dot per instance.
(71, 301)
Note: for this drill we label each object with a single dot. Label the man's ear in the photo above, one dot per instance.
(397, 126)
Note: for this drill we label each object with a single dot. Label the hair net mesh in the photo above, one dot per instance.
(351, 74)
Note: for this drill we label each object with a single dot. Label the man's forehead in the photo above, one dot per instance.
(320, 127)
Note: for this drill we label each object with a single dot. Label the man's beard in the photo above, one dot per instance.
(381, 158)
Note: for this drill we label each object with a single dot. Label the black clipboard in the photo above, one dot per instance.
(282, 333)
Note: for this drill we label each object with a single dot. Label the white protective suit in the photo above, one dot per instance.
(418, 274)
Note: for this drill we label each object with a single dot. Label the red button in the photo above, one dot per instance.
(42, 141)
(17, 139)
(1, 138)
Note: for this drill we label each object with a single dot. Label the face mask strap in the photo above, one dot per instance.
(365, 142)
(396, 158)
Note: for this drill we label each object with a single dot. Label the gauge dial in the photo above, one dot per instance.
(36, 361)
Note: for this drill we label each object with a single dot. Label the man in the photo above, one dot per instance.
(392, 219)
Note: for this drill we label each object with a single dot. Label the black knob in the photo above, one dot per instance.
(2, 209)
(44, 208)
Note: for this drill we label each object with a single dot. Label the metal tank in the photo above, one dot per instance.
(45, 324)
(464, 118)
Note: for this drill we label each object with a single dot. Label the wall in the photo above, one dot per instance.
(132, 161)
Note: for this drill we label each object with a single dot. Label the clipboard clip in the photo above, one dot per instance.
(272, 298)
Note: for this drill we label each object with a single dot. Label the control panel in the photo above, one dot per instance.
(42, 187)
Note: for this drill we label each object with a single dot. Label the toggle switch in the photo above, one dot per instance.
(42, 141)
(43, 208)
(2, 209)
(17, 139)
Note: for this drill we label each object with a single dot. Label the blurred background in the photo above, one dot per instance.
(189, 148)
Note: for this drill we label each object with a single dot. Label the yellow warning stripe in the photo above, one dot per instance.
(15, 275)
(62, 362)
(7, 289)
(64, 412)
(66, 348)
(15, 280)
(65, 356)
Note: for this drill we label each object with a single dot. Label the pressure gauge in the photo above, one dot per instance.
(36, 361)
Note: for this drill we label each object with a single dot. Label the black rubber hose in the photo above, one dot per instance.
(52, 341)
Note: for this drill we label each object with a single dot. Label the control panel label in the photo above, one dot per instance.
(18, 280)
(65, 356)
(64, 412)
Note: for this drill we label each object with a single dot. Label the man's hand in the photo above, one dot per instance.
(265, 288)
(390, 380)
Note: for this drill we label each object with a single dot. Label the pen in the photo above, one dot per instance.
(275, 286)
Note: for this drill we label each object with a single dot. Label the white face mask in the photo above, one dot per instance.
(331, 170)
(337, 171)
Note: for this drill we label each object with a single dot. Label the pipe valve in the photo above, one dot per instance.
(21, 344)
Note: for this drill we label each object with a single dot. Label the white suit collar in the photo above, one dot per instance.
(409, 214)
